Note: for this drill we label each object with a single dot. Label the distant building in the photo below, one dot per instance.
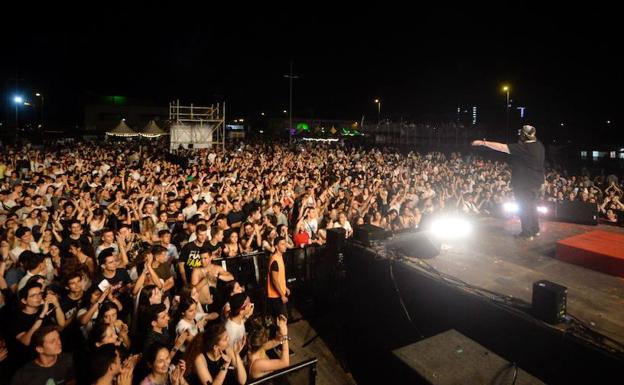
(466, 115)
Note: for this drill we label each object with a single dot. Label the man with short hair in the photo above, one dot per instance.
(277, 291)
(172, 250)
(107, 240)
(158, 319)
(190, 255)
(34, 264)
(236, 217)
(107, 368)
(204, 279)
(161, 268)
(26, 242)
(76, 234)
(71, 302)
(35, 312)
(51, 366)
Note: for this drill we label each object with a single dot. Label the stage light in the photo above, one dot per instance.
(542, 209)
(511, 207)
(450, 227)
(18, 100)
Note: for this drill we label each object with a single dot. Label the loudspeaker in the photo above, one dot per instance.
(576, 212)
(336, 238)
(366, 233)
(420, 245)
(549, 301)
(451, 358)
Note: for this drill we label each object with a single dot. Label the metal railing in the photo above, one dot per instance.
(303, 373)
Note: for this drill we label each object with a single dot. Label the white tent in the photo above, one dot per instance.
(123, 130)
(152, 130)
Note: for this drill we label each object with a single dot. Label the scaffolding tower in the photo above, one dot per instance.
(197, 127)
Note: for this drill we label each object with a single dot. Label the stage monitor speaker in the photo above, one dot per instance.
(336, 238)
(576, 212)
(451, 358)
(421, 245)
(366, 233)
(549, 301)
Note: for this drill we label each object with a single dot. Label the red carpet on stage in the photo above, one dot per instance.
(596, 250)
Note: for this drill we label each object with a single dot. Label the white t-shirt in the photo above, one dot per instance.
(235, 331)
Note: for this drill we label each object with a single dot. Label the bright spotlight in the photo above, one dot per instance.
(450, 227)
(542, 209)
(18, 100)
(511, 207)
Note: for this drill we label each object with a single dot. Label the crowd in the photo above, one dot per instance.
(107, 272)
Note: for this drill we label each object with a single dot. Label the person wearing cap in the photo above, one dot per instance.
(527, 170)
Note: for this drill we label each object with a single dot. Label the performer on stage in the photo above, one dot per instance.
(527, 168)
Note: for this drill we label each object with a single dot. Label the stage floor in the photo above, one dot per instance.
(493, 259)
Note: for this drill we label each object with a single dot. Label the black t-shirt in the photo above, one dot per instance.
(153, 337)
(235, 217)
(32, 374)
(191, 258)
(71, 335)
(22, 322)
(85, 245)
(254, 243)
(527, 164)
(121, 275)
(213, 248)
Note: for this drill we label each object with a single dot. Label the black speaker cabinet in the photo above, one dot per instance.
(450, 358)
(366, 233)
(336, 238)
(549, 301)
(576, 212)
(420, 245)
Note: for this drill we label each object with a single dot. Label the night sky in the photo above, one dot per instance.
(563, 63)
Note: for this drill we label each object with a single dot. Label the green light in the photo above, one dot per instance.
(115, 99)
(303, 127)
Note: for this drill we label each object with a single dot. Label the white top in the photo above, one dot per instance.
(183, 325)
(235, 331)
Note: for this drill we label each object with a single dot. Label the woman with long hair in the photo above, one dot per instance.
(108, 315)
(210, 358)
(158, 361)
(231, 247)
(186, 321)
(259, 363)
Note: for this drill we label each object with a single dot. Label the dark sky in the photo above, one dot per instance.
(563, 63)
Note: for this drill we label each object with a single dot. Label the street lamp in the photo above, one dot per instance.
(18, 100)
(506, 90)
(39, 95)
(378, 102)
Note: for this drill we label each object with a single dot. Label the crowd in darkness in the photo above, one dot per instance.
(107, 272)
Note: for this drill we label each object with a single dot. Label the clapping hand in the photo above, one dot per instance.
(178, 373)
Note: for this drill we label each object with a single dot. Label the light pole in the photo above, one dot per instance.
(290, 78)
(18, 100)
(39, 95)
(506, 90)
(378, 102)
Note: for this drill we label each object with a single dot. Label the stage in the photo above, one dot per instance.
(493, 259)
(391, 302)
